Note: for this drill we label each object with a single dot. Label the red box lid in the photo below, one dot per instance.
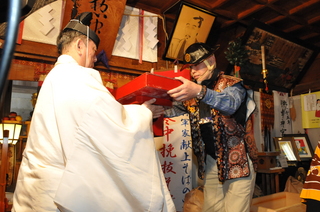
(172, 74)
(145, 87)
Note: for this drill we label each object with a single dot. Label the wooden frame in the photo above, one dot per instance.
(287, 59)
(303, 145)
(287, 146)
(11, 162)
(192, 22)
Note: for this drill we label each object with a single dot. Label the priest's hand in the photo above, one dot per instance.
(156, 110)
(186, 91)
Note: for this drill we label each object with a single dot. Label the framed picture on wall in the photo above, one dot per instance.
(287, 146)
(193, 24)
(286, 58)
(303, 145)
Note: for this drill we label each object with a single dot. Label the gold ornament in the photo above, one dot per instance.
(268, 103)
(187, 57)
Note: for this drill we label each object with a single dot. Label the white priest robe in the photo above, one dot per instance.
(86, 152)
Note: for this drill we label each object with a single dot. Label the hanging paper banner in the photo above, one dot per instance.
(310, 106)
(44, 25)
(282, 119)
(176, 158)
(137, 39)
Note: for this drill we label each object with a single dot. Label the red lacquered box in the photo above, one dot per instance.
(146, 87)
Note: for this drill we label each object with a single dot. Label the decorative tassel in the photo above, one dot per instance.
(102, 57)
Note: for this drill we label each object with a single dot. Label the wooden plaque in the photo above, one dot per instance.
(107, 16)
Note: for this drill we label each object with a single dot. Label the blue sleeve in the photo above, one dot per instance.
(177, 109)
(227, 101)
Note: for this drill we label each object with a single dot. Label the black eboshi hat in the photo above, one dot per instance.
(81, 24)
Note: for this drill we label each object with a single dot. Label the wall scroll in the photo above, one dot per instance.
(192, 25)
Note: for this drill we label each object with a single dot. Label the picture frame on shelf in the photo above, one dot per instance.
(287, 146)
(303, 145)
(192, 24)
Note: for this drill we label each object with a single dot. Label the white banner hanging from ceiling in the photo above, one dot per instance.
(128, 43)
(44, 24)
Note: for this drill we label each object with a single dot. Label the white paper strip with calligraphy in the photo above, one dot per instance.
(282, 119)
(176, 158)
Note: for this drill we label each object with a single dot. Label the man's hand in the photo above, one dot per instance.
(186, 91)
(156, 110)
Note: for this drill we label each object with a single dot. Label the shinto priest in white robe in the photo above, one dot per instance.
(86, 152)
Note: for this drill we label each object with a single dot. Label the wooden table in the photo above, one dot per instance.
(270, 180)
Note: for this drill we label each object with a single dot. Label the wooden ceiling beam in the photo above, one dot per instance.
(303, 6)
(314, 20)
(214, 4)
(293, 28)
(228, 23)
(302, 88)
(309, 36)
(249, 11)
(288, 15)
(275, 19)
(227, 14)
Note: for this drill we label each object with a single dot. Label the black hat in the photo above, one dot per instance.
(80, 24)
(198, 52)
